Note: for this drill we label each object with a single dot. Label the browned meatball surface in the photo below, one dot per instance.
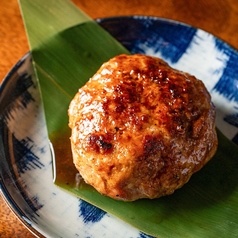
(140, 128)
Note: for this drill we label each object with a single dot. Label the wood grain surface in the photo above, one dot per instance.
(217, 17)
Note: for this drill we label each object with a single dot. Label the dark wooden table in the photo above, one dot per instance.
(217, 17)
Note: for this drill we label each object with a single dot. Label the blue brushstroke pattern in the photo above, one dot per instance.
(34, 204)
(170, 41)
(25, 159)
(232, 119)
(228, 83)
(235, 139)
(143, 235)
(18, 93)
(90, 213)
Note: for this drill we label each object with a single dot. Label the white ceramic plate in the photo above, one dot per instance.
(25, 164)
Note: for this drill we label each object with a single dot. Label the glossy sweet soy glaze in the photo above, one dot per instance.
(140, 128)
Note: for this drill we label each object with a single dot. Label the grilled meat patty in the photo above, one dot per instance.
(140, 128)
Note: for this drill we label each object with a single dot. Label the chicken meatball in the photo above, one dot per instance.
(140, 128)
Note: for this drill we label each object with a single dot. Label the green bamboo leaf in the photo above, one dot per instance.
(67, 48)
(44, 18)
